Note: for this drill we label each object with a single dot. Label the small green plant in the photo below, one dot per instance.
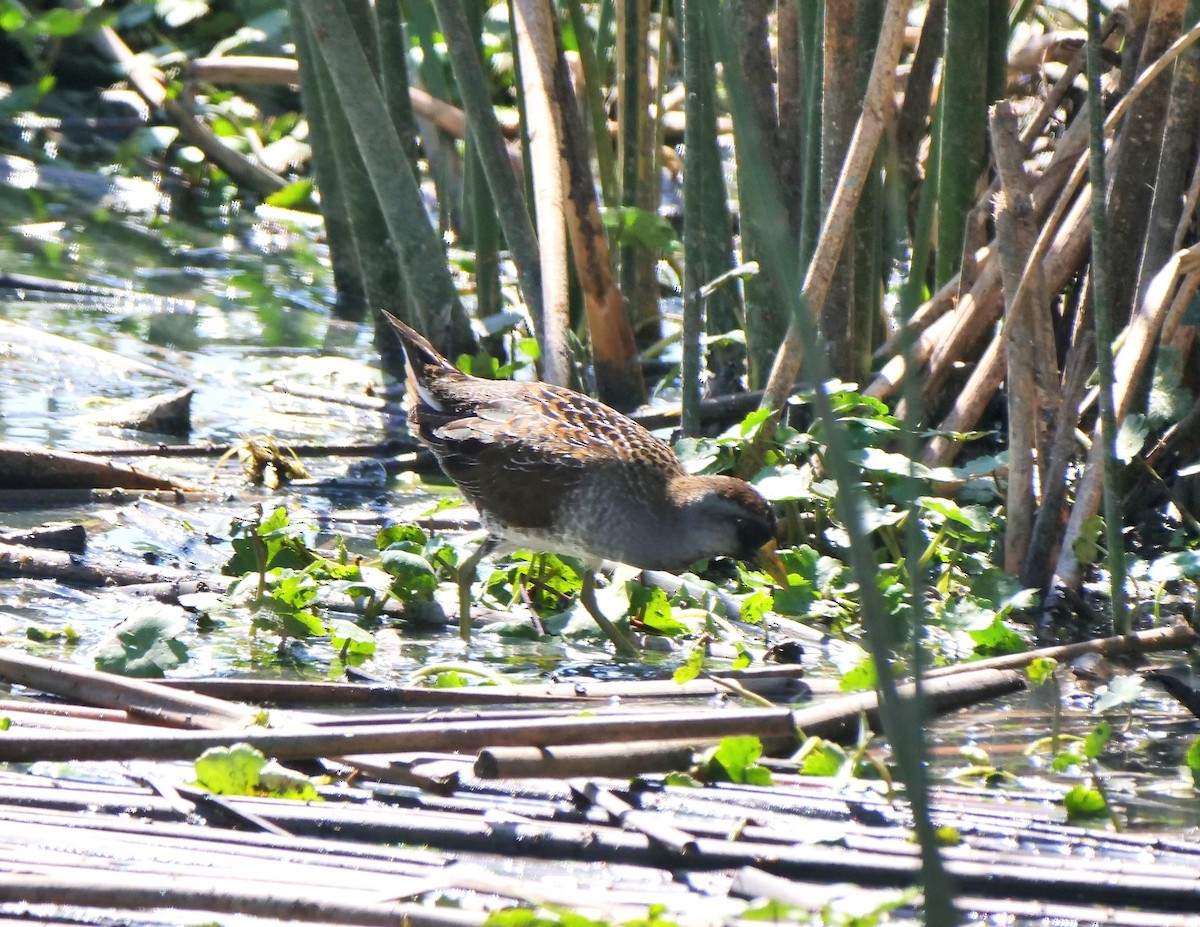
(43, 635)
(281, 579)
(284, 605)
(980, 768)
(547, 583)
(854, 909)
(692, 665)
(820, 757)
(455, 676)
(1068, 752)
(1041, 672)
(284, 581)
(353, 643)
(558, 916)
(861, 677)
(260, 544)
(650, 608)
(735, 759)
(1083, 804)
(1192, 762)
(414, 560)
(243, 770)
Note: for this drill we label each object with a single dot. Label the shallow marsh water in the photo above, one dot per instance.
(241, 302)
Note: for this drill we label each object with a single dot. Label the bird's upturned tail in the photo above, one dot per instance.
(417, 349)
(424, 364)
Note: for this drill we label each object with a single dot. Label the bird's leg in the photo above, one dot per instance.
(587, 595)
(466, 576)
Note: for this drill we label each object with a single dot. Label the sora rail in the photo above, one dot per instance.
(550, 469)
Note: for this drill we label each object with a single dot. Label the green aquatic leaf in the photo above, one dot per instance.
(975, 517)
(819, 757)
(513, 917)
(278, 781)
(1086, 545)
(861, 678)
(755, 606)
(776, 912)
(1121, 691)
(42, 635)
(405, 534)
(1083, 803)
(349, 638)
(293, 195)
(650, 606)
(1094, 743)
(244, 770)
(272, 542)
(784, 483)
(1066, 760)
(1041, 670)
(144, 646)
(1192, 759)
(691, 667)
(996, 639)
(230, 770)
(737, 758)
(413, 576)
(889, 462)
(1131, 436)
(633, 226)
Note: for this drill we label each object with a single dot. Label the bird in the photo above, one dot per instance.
(551, 469)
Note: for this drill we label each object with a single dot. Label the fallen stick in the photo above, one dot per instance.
(836, 718)
(169, 414)
(354, 399)
(37, 468)
(657, 828)
(20, 714)
(197, 893)
(1176, 637)
(782, 682)
(617, 761)
(168, 585)
(388, 448)
(19, 499)
(444, 736)
(109, 691)
(70, 538)
(35, 563)
(67, 287)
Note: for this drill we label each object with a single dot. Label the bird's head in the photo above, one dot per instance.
(722, 516)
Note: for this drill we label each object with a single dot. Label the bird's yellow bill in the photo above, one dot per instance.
(772, 565)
